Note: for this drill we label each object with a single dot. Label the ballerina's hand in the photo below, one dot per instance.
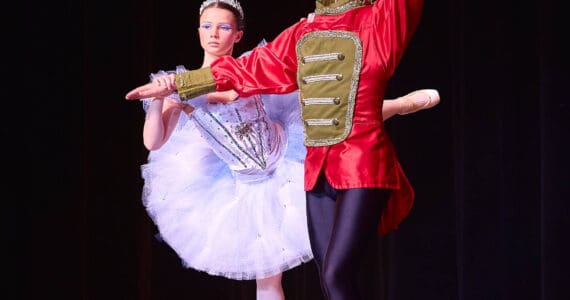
(187, 108)
(160, 87)
(222, 97)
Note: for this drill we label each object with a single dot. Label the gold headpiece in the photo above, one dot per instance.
(329, 2)
(333, 7)
(234, 3)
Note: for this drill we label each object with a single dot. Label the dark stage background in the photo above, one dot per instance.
(489, 164)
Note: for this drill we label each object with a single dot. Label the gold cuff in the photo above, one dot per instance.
(195, 83)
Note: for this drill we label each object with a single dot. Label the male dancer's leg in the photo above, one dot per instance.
(320, 218)
(355, 222)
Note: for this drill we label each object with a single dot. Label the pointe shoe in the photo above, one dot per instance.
(418, 100)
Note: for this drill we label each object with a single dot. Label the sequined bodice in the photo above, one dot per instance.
(241, 133)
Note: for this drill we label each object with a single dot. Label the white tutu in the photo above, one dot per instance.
(220, 212)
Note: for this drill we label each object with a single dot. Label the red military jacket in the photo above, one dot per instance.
(364, 157)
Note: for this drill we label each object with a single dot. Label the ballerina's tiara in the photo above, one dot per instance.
(234, 3)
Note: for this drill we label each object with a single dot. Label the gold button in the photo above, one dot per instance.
(339, 77)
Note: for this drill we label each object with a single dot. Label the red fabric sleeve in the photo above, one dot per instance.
(270, 69)
(397, 21)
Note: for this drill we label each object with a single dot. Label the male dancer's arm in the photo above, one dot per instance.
(271, 69)
(396, 22)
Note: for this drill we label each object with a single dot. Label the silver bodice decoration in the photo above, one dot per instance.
(241, 134)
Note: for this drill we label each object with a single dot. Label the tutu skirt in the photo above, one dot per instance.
(220, 224)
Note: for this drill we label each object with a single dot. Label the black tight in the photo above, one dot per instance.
(341, 222)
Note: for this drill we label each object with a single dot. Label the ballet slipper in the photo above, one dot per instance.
(418, 100)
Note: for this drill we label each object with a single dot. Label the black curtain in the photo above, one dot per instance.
(489, 163)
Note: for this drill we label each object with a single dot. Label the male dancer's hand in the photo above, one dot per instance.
(160, 87)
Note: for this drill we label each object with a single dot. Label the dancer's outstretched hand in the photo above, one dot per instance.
(160, 87)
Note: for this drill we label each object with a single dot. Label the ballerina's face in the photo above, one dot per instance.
(218, 31)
